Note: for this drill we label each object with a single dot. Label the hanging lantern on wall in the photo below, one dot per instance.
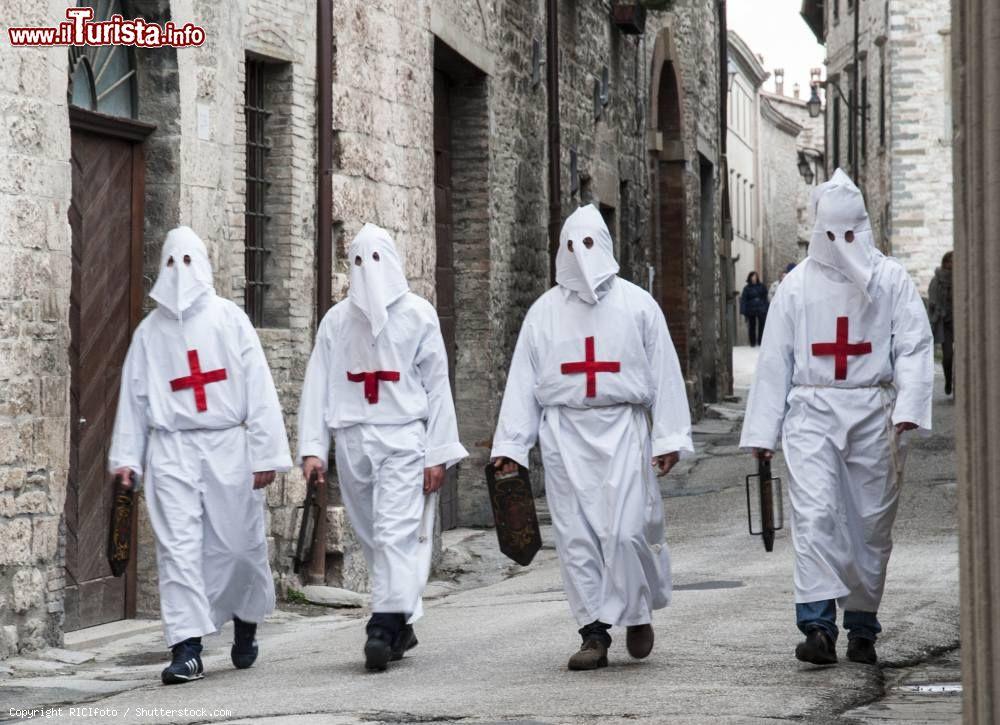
(629, 17)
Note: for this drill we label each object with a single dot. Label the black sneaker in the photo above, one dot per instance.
(818, 649)
(405, 641)
(245, 650)
(861, 650)
(186, 664)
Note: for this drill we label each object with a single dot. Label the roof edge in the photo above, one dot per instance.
(814, 13)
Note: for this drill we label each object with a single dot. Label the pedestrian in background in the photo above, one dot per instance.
(753, 306)
(773, 289)
(939, 310)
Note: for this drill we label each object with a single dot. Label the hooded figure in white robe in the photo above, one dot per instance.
(845, 367)
(377, 383)
(198, 417)
(596, 380)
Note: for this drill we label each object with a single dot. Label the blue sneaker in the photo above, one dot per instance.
(186, 665)
(245, 650)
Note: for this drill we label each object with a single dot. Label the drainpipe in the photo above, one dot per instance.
(324, 229)
(552, 89)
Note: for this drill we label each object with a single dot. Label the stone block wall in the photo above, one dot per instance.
(921, 135)
(34, 333)
(906, 174)
(780, 185)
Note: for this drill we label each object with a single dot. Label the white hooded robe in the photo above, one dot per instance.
(595, 378)
(847, 354)
(197, 416)
(377, 382)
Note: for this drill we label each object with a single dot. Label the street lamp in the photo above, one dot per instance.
(815, 105)
(806, 170)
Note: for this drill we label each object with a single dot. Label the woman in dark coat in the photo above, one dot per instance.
(753, 306)
(939, 310)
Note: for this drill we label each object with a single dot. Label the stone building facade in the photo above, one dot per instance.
(780, 186)
(745, 150)
(897, 139)
(787, 117)
(438, 131)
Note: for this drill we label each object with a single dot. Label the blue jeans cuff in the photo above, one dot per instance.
(817, 615)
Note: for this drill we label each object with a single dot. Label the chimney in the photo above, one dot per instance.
(779, 81)
(797, 91)
(815, 75)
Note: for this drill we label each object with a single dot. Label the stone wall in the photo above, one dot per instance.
(905, 171)
(921, 224)
(694, 27)
(780, 186)
(808, 142)
(34, 332)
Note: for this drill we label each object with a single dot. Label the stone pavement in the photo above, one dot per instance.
(495, 638)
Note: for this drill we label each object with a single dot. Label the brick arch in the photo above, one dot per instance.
(668, 210)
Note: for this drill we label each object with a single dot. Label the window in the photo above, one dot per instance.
(836, 11)
(738, 193)
(947, 131)
(836, 133)
(256, 192)
(103, 78)
(865, 112)
(881, 100)
(270, 204)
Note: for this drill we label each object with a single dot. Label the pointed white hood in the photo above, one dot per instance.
(839, 209)
(179, 285)
(584, 270)
(378, 280)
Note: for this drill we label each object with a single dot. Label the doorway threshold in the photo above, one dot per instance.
(91, 637)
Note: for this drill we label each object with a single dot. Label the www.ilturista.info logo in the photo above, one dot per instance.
(81, 30)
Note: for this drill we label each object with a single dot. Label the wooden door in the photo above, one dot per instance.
(670, 209)
(445, 269)
(106, 220)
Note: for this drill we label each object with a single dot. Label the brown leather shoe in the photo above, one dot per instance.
(639, 640)
(592, 654)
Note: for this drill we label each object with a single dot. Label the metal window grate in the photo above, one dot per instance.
(256, 218)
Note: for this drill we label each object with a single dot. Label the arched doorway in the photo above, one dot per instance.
(106, 221)
(668, 197)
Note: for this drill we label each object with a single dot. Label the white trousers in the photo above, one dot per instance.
(381, 472)
(211, 547)
(607, 513)
(844, 493)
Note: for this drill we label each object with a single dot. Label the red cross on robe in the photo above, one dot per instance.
(197, 380)
(590, 367)
(841, 349)
(371, 381)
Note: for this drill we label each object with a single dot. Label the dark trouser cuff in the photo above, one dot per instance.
(596, 630)
(389, 624)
